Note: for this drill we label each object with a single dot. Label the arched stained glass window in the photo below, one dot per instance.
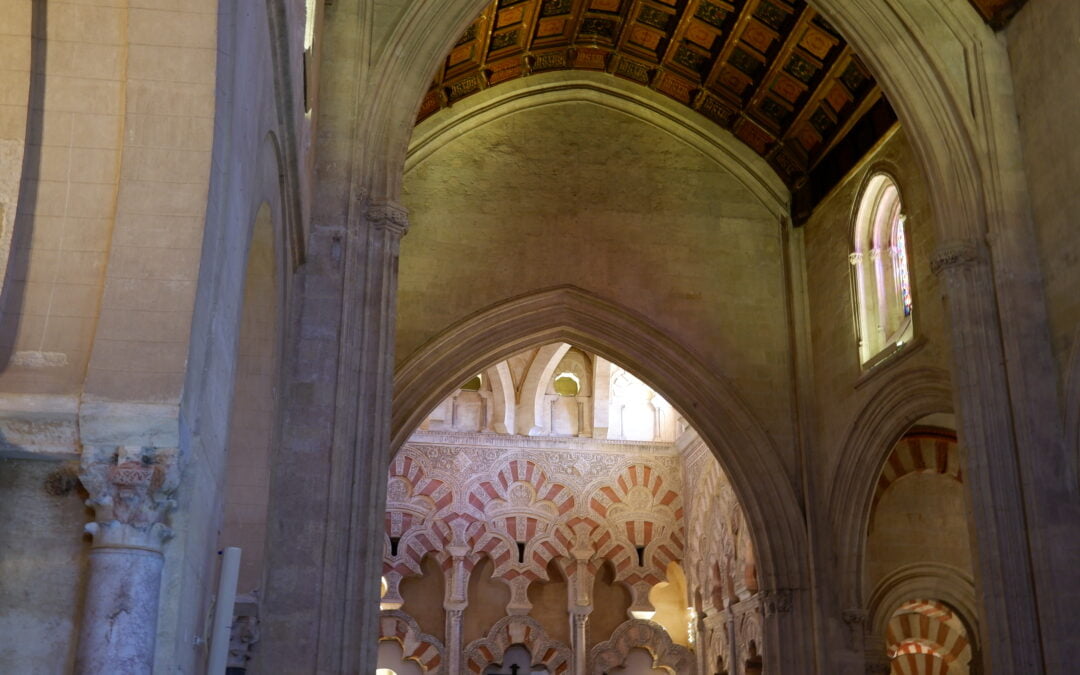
(881, 279)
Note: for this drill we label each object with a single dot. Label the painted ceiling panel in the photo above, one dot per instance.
(773, 72)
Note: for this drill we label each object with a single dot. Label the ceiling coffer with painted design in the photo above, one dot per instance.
(774, 72)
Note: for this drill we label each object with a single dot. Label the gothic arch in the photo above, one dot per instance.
(908, 396)
(924, 580)
(623, 96)
(947, 83)
(638, 634)
(568, 314)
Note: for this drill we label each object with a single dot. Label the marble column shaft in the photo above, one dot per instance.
(129, 488)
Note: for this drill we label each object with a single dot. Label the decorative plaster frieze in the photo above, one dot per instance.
(516, 442)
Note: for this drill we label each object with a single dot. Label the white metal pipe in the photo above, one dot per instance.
(223, 612)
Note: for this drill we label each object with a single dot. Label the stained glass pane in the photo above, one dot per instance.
(902, 267)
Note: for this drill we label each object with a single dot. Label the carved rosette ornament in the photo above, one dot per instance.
(130, 489)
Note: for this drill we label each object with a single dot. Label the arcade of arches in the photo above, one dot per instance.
(678, 337)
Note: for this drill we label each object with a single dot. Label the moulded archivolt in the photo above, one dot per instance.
(647, 635)
(424, 649)
(523, 630)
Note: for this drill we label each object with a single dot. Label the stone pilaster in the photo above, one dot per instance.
(130, 490)
(992, 470)
(360, 448)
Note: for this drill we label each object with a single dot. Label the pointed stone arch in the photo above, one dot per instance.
(745, 451)
(907, 397)
(949, 77)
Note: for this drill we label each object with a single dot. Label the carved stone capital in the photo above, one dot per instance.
(388, 216)
(130, 489)
(956, 254)
(776, 601)
(856, 623)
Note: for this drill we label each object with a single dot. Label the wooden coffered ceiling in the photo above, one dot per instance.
(997, 13)
(774, 72)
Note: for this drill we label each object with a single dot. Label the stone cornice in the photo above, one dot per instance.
(556, 443)
(43, 426)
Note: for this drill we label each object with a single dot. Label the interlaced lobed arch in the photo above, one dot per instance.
(568, 314)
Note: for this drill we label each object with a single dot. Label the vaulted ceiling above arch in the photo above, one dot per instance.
(774, 72)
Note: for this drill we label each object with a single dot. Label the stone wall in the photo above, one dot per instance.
(578, 193)
(42, 565)
(1042, 49)
(841, 387)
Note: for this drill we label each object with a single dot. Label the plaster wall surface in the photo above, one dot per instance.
(423, 598)
(549, 604)
(15, 65)
(576, 193)
(65, 181)
(43, 560)
(1043, 52)
(251, 426)
(841, 387)
(922, 518)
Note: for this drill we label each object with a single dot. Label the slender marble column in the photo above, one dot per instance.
(580, 618)
(454, 640)
(129, 489)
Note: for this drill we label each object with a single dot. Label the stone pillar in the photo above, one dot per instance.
(360, 449)
(129, 491)
(992, 478)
